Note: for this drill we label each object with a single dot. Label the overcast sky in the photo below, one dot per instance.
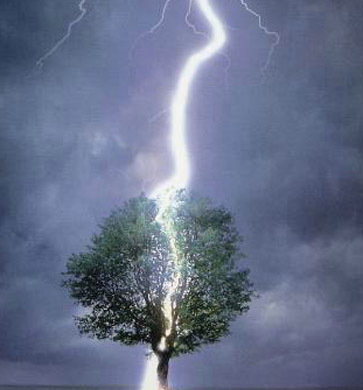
(284, 153)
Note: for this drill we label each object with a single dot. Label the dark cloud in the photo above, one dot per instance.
(284, 154)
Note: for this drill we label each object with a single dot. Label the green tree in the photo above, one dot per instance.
(124, 276)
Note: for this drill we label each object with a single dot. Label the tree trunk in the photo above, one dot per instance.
(162, 369)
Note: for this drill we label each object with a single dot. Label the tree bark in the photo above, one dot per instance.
(162, 369)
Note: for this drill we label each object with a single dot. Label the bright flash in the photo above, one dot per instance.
(164, 193)
(180, 179)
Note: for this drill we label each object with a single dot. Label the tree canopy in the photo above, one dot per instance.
(124, 275)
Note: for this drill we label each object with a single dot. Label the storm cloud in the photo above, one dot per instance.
(284, 153)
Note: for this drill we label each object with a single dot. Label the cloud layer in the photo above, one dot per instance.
(90, 130)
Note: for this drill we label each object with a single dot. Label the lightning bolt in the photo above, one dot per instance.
(164, 193)
(83, 11)
(203, 34)
(153, 28)
(273, 34)
(190, 24)
(160, 21)
(181, 175)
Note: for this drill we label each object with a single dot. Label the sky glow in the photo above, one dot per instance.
(284, 152)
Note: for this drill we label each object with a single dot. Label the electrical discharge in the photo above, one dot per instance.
(164, 193)
(51, 51)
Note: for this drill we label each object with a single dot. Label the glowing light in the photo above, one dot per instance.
(83, 10)
(164, 193)
(181, 175)
(180, 179)
(150, 381)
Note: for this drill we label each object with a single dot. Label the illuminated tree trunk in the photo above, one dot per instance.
(162, 369)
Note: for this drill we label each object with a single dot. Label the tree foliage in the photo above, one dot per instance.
(123, 276)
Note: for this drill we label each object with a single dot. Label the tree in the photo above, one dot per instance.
(135, 264)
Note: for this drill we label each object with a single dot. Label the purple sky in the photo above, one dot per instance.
(285, 156)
